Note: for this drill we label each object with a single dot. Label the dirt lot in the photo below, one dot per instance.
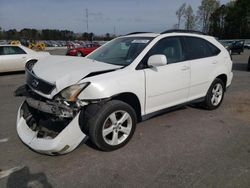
(188, 147)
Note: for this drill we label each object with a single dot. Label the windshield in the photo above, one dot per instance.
(121, 51)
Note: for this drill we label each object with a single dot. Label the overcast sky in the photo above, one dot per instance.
(104, 15)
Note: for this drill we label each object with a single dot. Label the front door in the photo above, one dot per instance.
(167, 85)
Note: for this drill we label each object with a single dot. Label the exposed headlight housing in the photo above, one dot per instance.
(71, 93)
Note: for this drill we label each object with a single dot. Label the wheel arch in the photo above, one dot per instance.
(223, 78)
(35, 60)
(82, 52)
(132, 100)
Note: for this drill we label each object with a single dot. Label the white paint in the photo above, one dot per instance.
(4, 140)
(6, 173)
(16, 62)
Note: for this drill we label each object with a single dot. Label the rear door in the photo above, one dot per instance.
(203, 62)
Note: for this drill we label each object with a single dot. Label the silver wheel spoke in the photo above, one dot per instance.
(216, 100)
(124, 117)
(214, 91)
(125, 130)
(113, 119)
(107, 131)
(219, 93)
(114, 140)
(217, 87)
(213, 99)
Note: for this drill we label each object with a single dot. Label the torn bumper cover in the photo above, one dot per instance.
(47, 130)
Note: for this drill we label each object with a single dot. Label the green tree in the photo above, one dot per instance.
(231, 21)
(180, 13)
(204, 12)
(189, 18)
(217, 22)
(238, 19)
(107, 36)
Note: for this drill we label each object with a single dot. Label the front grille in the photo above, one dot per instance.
(37, 83)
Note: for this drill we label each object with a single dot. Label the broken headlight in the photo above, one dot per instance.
(70, 93)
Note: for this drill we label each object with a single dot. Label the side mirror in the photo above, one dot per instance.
(157, 60)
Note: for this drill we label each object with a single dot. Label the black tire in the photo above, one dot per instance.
(98, 116)
(208, 104)
(248, 65)
(79, 54)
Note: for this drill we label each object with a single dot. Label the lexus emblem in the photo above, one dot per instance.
(34, 83)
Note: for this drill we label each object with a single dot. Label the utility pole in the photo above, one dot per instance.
(87, 18)
(114, 30)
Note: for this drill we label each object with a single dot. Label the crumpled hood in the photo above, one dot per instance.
(64, 71)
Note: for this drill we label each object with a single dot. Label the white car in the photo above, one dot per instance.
(127, 80)
(14, 57)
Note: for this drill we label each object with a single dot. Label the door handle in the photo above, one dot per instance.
(23, 57)
(214, 62)
(185, 68)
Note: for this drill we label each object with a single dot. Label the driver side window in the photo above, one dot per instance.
(171, 47)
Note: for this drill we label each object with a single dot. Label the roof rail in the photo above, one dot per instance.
(183, 31)
(133, 33)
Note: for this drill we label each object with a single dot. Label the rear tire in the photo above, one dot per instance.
(110, 125)
(79, 54)
(248, 65)
(214, 95)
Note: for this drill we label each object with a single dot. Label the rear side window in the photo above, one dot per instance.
(197, 48)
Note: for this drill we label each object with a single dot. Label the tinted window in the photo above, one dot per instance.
(170, 47)
(197, 48)
(1, 51)
(214, 50)
(10, 50)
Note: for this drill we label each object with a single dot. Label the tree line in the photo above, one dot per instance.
(229, 21)
(50, 34)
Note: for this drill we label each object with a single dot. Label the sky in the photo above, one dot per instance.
(105, 16)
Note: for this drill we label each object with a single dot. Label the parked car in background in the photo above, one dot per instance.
(125, 81)
(3, 42)
(247, 45)
(237, 47)
(14, 57)
(83, 50)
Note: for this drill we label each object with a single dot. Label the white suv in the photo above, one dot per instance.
(129, 79)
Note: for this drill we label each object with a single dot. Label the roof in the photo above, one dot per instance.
(143, 35)
(168, 32)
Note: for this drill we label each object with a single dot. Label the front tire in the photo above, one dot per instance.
(214, 95)
(112, 125)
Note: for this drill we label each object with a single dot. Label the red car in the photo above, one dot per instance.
(82, 50)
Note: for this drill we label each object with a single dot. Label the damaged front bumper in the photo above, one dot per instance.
(49, 128)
